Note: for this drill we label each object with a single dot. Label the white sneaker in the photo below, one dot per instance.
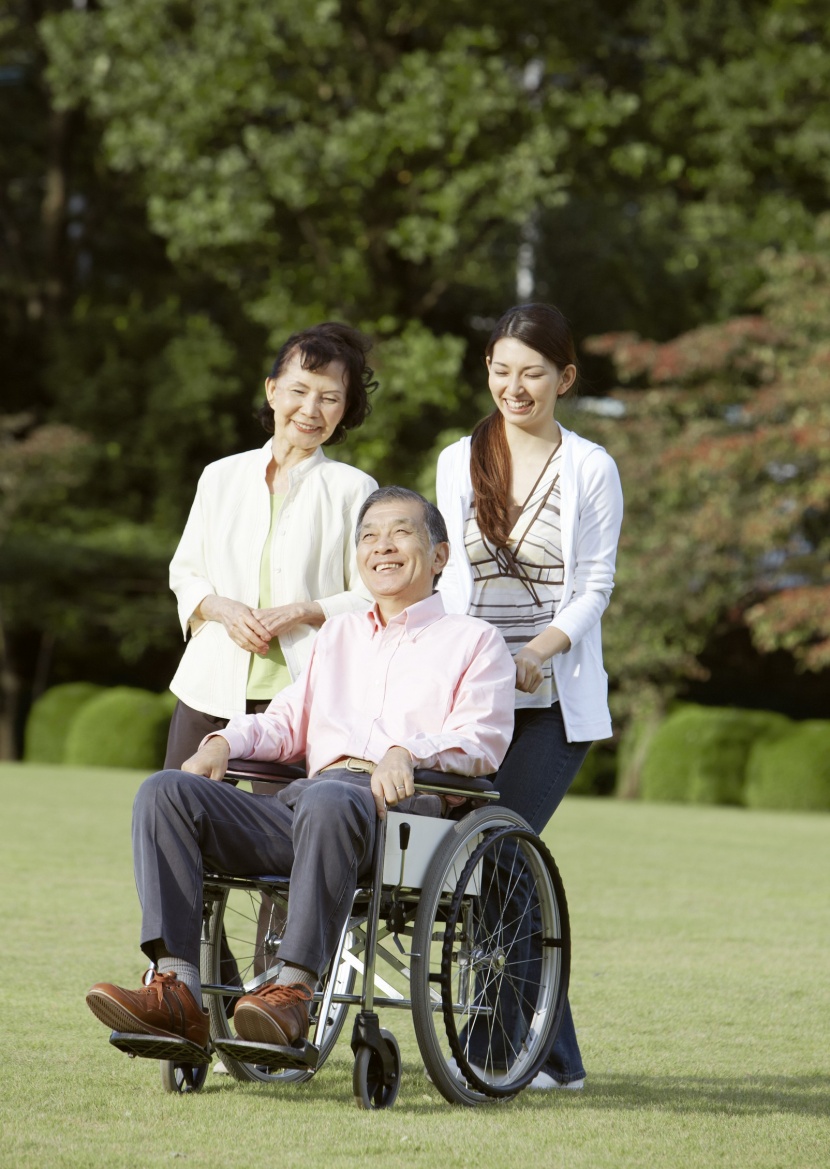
(219, 1068)
(455, 1070)
(545, 1083)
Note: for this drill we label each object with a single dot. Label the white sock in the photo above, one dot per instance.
(186, 972)
(290, 975)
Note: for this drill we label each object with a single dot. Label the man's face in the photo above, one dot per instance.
(394, 555)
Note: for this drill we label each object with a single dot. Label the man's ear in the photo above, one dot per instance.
(440, 556)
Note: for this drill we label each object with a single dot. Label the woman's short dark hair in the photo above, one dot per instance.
(319, 346)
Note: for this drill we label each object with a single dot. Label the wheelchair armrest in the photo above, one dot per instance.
(448, 783)
(264, 770)
(478, 787)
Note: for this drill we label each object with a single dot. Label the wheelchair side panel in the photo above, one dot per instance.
(426, 833)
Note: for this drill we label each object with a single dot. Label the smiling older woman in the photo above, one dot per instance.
(268, 550)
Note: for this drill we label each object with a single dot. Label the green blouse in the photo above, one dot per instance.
(268, 675)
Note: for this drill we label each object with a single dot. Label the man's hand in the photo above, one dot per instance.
(393, 779)
(211, 760)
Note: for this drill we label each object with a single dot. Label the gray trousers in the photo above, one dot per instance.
(320, 832)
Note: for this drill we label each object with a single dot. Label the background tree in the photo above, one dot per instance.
(723, 448)
(343, 160)
(100, 333)
(183, 183)
(724, 151)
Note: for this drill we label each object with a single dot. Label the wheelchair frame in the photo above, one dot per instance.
(488, 948)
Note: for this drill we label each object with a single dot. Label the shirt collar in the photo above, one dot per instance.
(301, 469)
(415, 618)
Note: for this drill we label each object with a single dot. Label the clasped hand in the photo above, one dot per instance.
(253, 629)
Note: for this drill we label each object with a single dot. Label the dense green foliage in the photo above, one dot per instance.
(122, 727)
(699, 754)
(50, 718)
(183, 183)
(793, 771)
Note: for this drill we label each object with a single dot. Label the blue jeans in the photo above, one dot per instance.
(537, 771)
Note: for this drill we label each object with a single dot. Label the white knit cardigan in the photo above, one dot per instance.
(591, 516)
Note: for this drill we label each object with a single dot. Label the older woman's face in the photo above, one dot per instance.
(307, 404)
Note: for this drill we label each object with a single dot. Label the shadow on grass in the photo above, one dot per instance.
(728, 1095)
(710, 1095)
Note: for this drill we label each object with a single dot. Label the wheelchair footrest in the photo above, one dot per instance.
(303, 1056)
(160, 1047)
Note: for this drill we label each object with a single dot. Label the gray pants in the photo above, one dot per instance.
(319, 831)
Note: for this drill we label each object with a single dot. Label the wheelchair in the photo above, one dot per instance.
(464, 923)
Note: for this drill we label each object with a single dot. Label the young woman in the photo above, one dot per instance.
(533, 513)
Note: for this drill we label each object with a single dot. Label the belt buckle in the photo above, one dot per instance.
(358, 766)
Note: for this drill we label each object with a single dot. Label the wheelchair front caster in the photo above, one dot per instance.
(183, 1077)
(371, 1088)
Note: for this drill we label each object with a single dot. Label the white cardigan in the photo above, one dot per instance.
(312, 559)
(591, 516)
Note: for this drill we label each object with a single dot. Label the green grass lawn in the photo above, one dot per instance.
(700, 988)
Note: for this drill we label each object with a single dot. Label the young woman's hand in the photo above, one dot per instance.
(528, 670)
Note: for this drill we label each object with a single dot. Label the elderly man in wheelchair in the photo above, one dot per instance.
(401, 690)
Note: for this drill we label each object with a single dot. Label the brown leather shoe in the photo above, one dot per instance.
(163, 1007)
(274, 1014)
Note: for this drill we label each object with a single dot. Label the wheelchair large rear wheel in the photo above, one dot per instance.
(491, 958)
(243, 926)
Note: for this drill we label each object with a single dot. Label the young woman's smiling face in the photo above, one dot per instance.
(525, 385)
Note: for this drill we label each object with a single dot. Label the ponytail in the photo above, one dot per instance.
(490, 469)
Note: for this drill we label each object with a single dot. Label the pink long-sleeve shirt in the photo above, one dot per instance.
(439, 684)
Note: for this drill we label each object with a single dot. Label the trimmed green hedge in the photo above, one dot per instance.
(123, 727)
(792, 772)
(51, 717)
(597, 775)
(631, 754)
(699, 754)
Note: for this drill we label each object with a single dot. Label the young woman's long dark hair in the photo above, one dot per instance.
(543, 328)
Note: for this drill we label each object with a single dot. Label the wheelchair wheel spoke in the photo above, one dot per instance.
(242, 930)
(483, 935)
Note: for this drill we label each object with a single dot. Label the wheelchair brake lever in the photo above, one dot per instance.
(397, 916)
(403, 836)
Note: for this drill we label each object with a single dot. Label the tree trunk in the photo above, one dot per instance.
(8, 700)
